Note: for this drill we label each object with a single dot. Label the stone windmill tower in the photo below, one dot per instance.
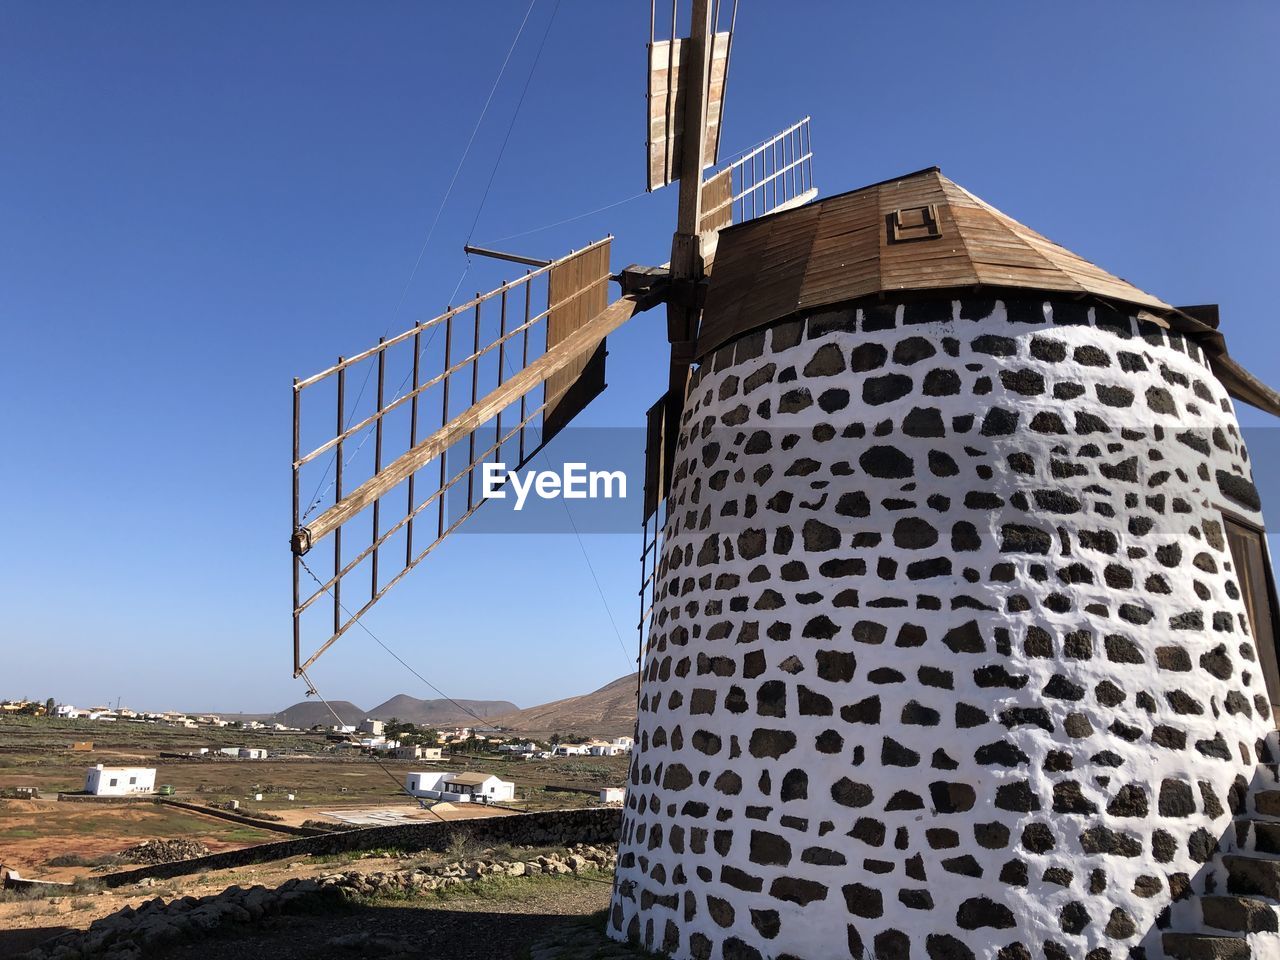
(962, 643)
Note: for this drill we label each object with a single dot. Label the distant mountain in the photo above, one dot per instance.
(435, 713)
(308, 713)
(607, 712)
(432, 713)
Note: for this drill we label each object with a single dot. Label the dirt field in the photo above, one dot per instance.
(507, 921)
(32, 832)
(504, 917)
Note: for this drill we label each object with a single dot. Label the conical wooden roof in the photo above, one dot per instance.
(919, 232)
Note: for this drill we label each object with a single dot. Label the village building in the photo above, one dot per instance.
(374, 728)
(119, 781)
(416, 751)
(460, 787)
(571, 750)
(523, 749)
(607, 748)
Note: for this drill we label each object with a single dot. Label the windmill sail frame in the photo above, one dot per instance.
(774, 176)
(566, 299)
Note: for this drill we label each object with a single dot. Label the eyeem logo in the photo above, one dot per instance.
(574, 482)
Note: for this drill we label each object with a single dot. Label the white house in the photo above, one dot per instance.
(460, 787)
(252, 753)
(521, 748)
(612, 795)
(67, 711)
(119, 781)
(610, 748)
(571, 750)
(372, 727)
(482, 787)
(416, 752)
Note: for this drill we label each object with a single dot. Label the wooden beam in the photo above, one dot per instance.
(501, 255)
(582, 341)
(693, 150)
(687, 267)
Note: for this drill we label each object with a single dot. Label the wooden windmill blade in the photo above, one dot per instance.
(404, 496)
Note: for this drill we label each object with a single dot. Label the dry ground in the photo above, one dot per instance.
(32, 832)
(498, 921)
(35, 752)
(505, 915)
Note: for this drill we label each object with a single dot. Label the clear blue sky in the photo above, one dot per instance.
(199, 202)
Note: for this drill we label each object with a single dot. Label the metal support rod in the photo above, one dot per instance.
(475, 395)
(413, 442)
(502, 360)
(444, 418)
(337, 495)
(500, 255)
(297, 562)
(524, 359)
(377, 464)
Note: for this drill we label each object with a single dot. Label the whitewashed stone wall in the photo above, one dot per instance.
(948, 659)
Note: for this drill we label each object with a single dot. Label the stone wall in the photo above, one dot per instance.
(269, 825)
(132, 933)
(948, 658)
(552, 828)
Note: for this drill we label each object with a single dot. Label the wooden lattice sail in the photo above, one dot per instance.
(543, 337)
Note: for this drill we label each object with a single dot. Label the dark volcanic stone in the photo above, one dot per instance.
(848, 793)
(886, 388)
(887, 463)
(999, 422)
(978, 912)
(828, 361)
(1020, 538)
(996, 346)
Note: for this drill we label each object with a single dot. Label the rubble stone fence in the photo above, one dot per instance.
(549, 828)
(241, 818)
(136, 932)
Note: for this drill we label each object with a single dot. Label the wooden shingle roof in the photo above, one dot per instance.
(918, 232)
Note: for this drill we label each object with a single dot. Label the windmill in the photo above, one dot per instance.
(500, 375)
(953, 567)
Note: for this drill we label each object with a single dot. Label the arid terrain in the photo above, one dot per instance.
(607, 712)
(344, 791)
(544, 916)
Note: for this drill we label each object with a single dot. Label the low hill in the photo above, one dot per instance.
(431, 713)
(607, 712)
(436, 713)
(308, 713)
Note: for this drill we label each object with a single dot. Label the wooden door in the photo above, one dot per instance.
(1249, 555)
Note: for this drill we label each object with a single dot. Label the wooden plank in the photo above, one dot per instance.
(582, 341)
(667, 93)
(581, 284)
(717, 201)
